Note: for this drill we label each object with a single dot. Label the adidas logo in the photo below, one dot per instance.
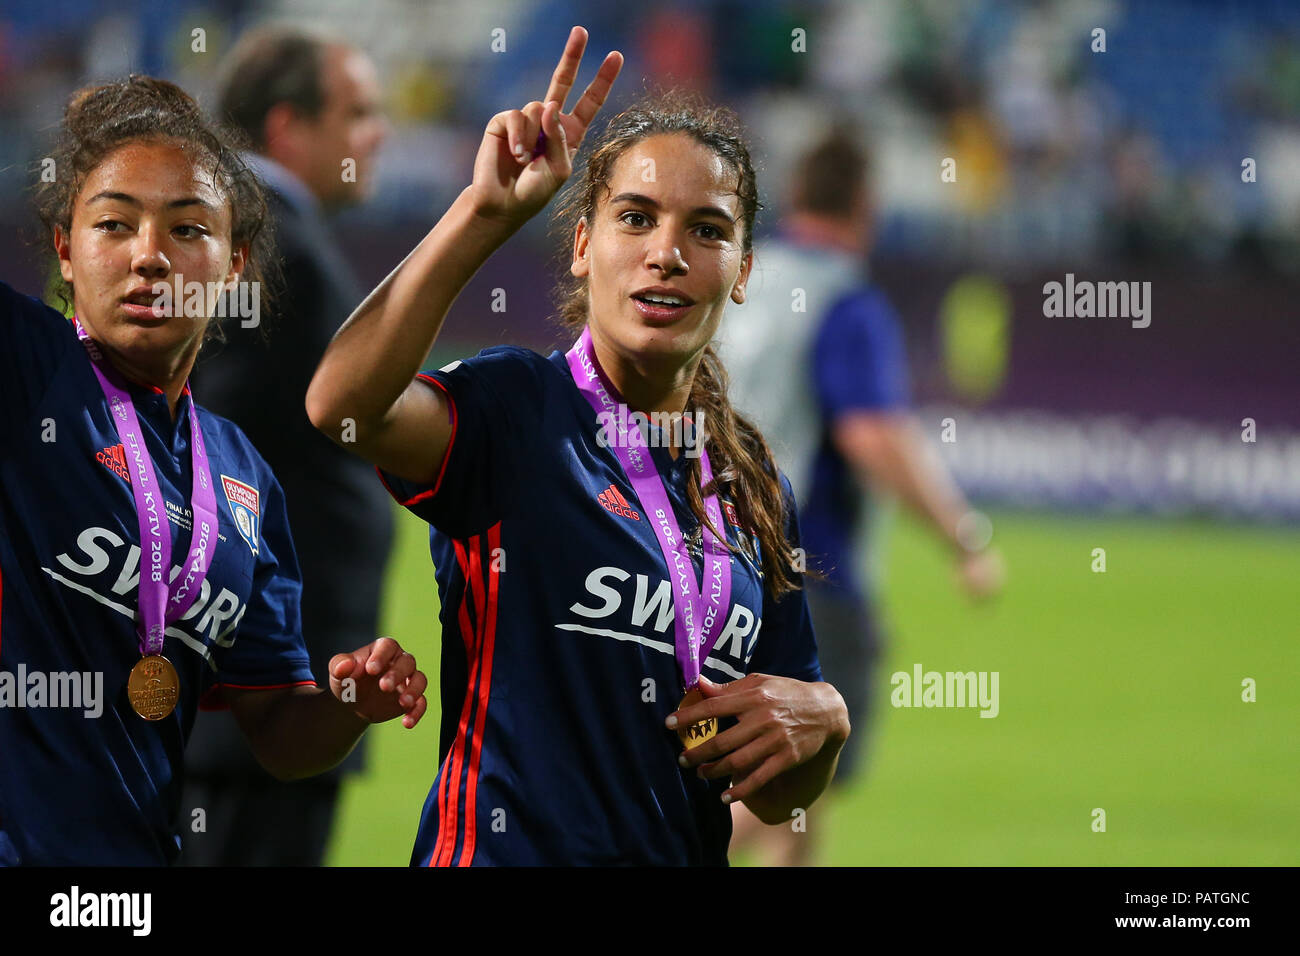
(612, 500)
(114, 459)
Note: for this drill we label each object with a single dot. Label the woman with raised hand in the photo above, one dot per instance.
(146, 566)
(608, 535)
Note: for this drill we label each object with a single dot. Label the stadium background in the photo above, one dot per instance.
(1119, 690)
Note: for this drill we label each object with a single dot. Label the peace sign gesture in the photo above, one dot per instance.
(527, 154)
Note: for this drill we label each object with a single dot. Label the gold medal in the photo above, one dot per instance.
(696, 734)
(153, 687)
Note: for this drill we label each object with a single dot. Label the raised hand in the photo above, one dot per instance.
(527, 154)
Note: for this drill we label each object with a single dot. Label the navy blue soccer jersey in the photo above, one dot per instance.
(558, 666)
(859, 364)
(83, 778)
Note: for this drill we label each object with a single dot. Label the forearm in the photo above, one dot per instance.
(378, 351)
(899, 460)
(305, 733)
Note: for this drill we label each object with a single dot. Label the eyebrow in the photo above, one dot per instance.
(697, 211)
(132, 201)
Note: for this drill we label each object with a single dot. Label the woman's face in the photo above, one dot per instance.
(148, 213)
(669, 226)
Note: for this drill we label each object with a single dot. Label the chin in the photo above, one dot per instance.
(684, 338)
(145, 342)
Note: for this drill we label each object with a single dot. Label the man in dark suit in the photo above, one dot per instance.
(310, 106)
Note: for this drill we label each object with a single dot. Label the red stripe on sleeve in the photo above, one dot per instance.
(455, 421)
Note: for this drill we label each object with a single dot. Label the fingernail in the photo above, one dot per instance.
(672, 723)
(681, 759)
(726, 798)
(405, 700)
(519, 151)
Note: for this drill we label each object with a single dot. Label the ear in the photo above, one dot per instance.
(581, 264)
(238, 259)
(738, 290)
(63, 249)
(277, 130)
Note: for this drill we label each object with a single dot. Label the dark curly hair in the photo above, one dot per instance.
(101, 119)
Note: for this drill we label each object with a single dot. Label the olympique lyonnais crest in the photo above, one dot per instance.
(243, 501)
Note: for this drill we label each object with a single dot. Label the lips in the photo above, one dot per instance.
(662, 303)
(141, 303)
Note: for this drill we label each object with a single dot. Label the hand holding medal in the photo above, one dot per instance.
(780, 723)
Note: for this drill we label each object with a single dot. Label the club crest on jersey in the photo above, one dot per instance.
(243, 500)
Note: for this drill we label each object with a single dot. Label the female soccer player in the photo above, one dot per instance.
(145, 558)
(584, 586)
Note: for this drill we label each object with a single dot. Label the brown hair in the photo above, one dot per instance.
(831, 177)
(269, 66)
(741, 459)
(101, 119)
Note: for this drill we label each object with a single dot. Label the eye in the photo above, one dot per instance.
(713, 231)
(631, 214)
(110, 225)
(194, 233)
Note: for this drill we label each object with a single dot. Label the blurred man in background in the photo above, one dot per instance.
(309, 104)
(817, 360)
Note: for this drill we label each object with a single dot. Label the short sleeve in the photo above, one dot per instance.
(787, 646)
(268, 650)
(859, 361)
(496, 403)
(33, 341)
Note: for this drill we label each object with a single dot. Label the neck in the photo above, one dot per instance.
(841, 234)
(648, 386)
(168, 375)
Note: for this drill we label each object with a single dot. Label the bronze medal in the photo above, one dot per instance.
(696, 734)
(153, 687)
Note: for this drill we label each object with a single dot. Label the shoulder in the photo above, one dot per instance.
(501, 359)
(789, 508)
(23, 313)
(787, 491)
(502, 367)
(862, 304)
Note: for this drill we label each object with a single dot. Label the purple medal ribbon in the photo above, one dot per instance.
(163, 600)
(698, 616)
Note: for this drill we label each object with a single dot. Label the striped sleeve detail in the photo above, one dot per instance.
(457, 812)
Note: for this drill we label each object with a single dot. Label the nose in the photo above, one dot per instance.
(664, 254)
(148, 258)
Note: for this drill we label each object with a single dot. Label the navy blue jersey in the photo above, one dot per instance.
(76, 786)
(859, 365)
(558, 665)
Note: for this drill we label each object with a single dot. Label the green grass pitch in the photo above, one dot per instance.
(1119, 690)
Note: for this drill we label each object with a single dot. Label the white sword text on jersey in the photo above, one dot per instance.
(105, 557)
(730, 653)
